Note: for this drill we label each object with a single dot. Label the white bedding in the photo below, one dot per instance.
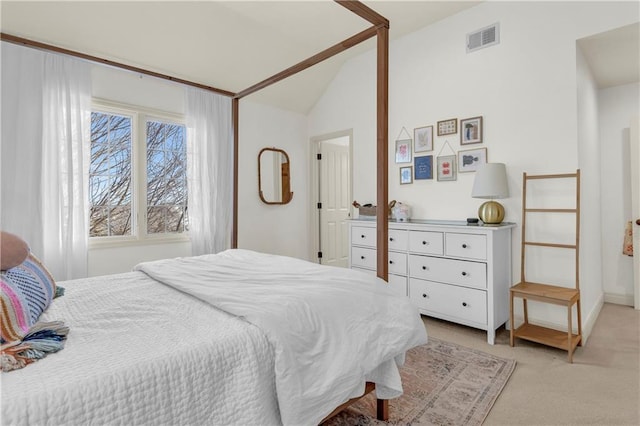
(331, 328)
(131, 358)
(140, 352)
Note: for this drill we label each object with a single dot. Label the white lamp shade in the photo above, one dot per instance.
(491, 181)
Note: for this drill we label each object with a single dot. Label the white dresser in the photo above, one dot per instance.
(449, 270)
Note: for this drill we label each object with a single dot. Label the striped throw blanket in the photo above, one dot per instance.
(26, 291)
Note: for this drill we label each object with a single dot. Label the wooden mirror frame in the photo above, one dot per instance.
(287, 195)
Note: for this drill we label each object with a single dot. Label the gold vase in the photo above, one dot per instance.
(491, 212)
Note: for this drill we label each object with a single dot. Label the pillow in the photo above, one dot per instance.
(13, 250)
(35, 285)
(26, 291)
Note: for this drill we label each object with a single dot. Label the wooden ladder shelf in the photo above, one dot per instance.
(546, 293)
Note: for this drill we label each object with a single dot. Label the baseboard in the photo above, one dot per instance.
(619, 299)
(590, 320)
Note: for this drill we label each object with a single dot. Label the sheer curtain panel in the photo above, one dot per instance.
(66, 140)
(209, 170)
(46, 118)
(21, 150)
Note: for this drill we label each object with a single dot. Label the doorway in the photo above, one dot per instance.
(332, 195)
(634, 159)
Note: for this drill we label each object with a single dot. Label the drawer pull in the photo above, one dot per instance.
(464, 304)
(425, 295)
(425, 243)
(464, 274)
(362, 257)
(391, 239)
(425, 268)
(362, 236)
(464, 246)
(391, 262)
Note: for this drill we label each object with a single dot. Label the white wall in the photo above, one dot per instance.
(272, 229)
(525, 88)
(617, 105)
(589, 161)
(277, 229)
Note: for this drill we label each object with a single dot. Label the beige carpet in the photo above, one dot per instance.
(444, 384)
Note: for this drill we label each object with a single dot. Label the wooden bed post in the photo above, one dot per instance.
(383, 153)
(234, 218)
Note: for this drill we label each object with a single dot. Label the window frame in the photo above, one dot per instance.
(139, 117)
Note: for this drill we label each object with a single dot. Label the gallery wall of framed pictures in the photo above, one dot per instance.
(447, 162)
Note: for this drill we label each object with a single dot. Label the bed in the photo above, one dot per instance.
(237, 338)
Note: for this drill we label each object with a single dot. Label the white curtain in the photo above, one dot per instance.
(21, 151)
(45, 174)
(66, 144)
(209, 170)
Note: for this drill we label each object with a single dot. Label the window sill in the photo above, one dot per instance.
(115, 242)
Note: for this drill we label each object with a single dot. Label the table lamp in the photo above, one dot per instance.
(491, 183)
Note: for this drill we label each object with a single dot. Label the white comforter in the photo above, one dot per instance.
(142, 353)
(331, 328)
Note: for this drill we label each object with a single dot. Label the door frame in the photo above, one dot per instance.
(634, 148)
(314, 189)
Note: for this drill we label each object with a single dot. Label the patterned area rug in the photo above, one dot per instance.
(444, 384)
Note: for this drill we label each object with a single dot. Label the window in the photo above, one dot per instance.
(138, 164)
(166, 178)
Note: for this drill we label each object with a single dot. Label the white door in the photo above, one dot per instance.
(634, 139)
(335, 200)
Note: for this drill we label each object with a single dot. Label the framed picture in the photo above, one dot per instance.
(403, 151)
(423, 139)
(448, 127)
(469, 160)
(424, 167)
(406, 175)
(471, 130)
(446, 168)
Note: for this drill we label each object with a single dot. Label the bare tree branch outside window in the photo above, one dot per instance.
(110, 175)
(166, 178)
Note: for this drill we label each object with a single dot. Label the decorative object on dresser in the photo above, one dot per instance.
(449, 270)
(491, 182)
(400, 212)
(471, 130)
(545, 293)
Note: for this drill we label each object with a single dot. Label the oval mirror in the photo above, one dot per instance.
(273, 176)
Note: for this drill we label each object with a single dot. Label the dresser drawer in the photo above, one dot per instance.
(366, 271)
(469, 246)
(363, 257)
(398, 285)
(460, 272)
(398, 239)
(426, 242)
(449, 301)
(397, 263)
(363, 236)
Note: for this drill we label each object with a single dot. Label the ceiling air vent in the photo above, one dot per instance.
(484, 37)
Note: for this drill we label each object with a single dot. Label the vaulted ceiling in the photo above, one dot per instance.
(232, 45)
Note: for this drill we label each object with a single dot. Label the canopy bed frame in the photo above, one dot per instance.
(380, 30)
